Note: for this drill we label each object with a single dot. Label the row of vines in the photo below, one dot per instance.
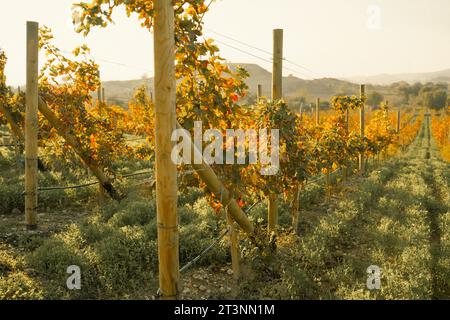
(307, 148)
(440, 127)
(210, 91)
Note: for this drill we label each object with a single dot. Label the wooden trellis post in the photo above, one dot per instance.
(166, 170)
(101, 104)
(273, 212)
(31, 126)
(347, 128)
(277, 93)
(259, 93)
(277, 74)
(362, 160)
(295, 206)
(318, 111)
(302, 105)
(99, 100)
(347, 120)
(16, 152)
(234, 246)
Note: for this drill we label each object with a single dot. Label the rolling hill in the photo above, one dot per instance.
(120, 92)
(387, 79)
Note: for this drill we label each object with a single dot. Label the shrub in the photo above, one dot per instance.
(125, 260)
(19, 286)
(136, 213)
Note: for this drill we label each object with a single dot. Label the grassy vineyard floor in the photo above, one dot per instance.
(398, 218)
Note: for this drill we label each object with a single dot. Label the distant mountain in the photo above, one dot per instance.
(387, 79)
(294, 88)
(120, 92)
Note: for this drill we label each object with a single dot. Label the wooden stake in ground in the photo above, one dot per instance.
(347, 120)
(277, 93)
(347, 128)
(31, 126)
(166, 170)
(17, 152)
(318, 111)
(277, 74)
(273, 212)
(101, 103)
(302, 105)
(99, 100)
(362, 130)
(259, 93)
(234, 246)
(295, 207)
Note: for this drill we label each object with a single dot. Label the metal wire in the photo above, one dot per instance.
(322, 177)
(69, 187)
(88, 184)
(213, 244)
(205, 251)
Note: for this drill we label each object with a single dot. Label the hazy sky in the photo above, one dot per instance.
(329, 37)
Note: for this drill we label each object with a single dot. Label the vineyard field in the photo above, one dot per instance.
(212, 180)
(397, 217)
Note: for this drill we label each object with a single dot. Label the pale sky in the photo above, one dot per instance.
(335, 38)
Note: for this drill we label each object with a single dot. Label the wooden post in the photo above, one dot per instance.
(234, 246)
(301, 111)
(318, 111)
(277, 93)
(259, 93)
(362, 130)
(17, 152)
(347, 128)
(99, 100)
(295, 207)
(166, 169)
(31, 126)
(115, 116)
(277, 72)
(273, 213)
(347, 120)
